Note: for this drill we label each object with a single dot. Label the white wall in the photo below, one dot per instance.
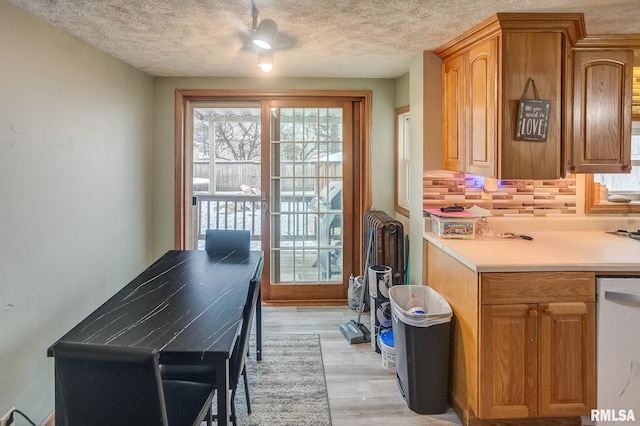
(383, 100)
(75, 140)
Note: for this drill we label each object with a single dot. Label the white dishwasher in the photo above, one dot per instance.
(618, 353)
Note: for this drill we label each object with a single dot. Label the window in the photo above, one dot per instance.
(403, 160)
(623, 185)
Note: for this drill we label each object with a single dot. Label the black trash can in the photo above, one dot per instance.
(421, 320)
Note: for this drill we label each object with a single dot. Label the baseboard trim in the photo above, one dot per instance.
(50, 420)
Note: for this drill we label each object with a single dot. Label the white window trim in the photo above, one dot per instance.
(402, 161)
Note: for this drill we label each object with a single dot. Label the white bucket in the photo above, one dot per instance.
(385, 340)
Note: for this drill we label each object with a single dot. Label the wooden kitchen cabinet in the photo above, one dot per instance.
(469, 108)
(453, 111)
(523, 343)
(536, 360)
(485, 71)
(566, 363)
(602, 93)
(509, 360)
(481, 149)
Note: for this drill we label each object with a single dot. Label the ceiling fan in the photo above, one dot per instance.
(265, 30)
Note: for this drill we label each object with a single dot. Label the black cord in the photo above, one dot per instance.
(25, 416)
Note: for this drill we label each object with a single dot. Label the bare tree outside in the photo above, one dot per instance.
(237, 137)
(237, 140)
(309, 125)
(200, 135)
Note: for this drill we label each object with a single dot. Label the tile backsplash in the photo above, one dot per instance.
(512, 198)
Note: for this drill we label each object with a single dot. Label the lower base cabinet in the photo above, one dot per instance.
(536, 360)
(523, 343)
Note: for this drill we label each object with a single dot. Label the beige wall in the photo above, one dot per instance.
(403, 96)
(421, 90)
(164, 141)
(403, 90)
(416, 147)
(425, 130)
(75, 139)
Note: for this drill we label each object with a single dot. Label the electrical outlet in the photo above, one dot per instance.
(7, 419)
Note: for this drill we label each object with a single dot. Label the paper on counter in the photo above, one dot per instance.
(479, 211)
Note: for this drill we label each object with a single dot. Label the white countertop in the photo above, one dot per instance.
(548, 251)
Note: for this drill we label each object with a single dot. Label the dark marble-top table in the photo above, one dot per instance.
(188, 305)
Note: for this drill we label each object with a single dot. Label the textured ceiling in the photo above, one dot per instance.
(322, 38)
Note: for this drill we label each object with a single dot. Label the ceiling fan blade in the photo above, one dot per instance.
(285, 41)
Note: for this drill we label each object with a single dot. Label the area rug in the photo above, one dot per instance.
(288, 386)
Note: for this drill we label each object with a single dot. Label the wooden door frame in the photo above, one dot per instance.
(361, 100)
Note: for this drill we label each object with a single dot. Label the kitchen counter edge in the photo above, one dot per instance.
(590, 251)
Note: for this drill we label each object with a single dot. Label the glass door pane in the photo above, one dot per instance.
(226, 169)
(306, 195)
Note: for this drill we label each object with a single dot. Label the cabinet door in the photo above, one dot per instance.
(453, 110)
(481, 143)
(567, 359)
(602, 111)
(536, 55)
(508, 361)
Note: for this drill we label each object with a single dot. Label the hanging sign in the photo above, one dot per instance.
(533, 116)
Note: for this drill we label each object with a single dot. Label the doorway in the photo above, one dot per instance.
(225, 141)
(286, 169)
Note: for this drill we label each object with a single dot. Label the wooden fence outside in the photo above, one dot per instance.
(230, 175)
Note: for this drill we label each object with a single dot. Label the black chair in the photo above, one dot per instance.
(237, 240)
(120, 385)
(204, 374)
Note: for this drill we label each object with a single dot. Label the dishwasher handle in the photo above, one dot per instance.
(622, 297)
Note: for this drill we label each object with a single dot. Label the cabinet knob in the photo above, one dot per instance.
(533, 312)
(548, 311)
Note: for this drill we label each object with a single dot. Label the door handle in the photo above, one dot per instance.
(264, 205)
(622, 297)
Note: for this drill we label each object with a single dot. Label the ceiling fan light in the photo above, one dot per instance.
(265, 35)
(265, 60)
(266, 67)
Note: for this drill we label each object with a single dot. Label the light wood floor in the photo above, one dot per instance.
(361, 391)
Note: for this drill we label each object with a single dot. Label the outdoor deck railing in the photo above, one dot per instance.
(243, 211)
(228, 211)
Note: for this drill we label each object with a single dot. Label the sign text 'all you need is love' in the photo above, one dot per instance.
(533, 120)
(533, 117)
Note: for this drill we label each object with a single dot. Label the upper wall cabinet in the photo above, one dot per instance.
(485, 73)
(469, 108)
(602, 98)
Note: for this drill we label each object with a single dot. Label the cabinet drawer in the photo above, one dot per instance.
(537, 287)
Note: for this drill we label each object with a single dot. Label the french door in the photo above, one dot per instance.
(309, 194)
(286, 169)
(223, 176)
